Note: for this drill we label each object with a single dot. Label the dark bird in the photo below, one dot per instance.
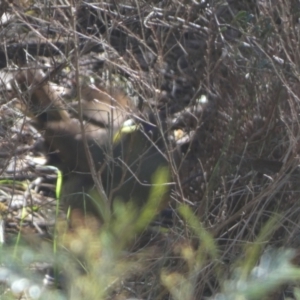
(126, 166)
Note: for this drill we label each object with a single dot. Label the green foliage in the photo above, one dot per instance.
(91, 260)
(94, 263)
(273, 270)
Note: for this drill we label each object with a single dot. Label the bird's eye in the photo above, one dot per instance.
(148, 128)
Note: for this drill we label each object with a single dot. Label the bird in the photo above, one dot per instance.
(125, 161)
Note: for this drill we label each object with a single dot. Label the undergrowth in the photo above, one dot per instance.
(226, 75)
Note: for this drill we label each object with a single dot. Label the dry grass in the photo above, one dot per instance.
(239, 173)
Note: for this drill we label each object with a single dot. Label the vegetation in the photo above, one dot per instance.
(226, 73)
